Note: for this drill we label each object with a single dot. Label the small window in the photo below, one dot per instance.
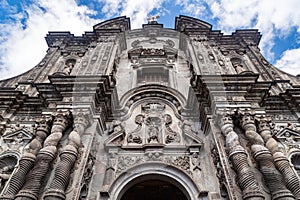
(153, 75)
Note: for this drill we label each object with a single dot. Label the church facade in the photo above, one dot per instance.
(153, 113)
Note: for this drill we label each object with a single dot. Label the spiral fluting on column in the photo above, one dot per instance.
(26, 162)
(263, 157)
(238, 156)
(281, 162)
(68, 158)
(35, 178)
(291, 180)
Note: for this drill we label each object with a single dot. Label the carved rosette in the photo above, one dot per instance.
(263, 157)
(281, 162)
(238, 156)
(68, 157)
(35, 177)
(26, 162)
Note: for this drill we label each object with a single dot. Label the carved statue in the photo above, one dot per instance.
(238, 65)
(68, 68)
(153, 132)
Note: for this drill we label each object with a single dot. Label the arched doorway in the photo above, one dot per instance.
(149, 174)
(154, 189)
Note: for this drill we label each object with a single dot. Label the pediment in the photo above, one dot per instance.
(122, 23)
(18, 136)
(287, 133)
(183, 22)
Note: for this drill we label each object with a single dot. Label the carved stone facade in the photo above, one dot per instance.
(117, 113)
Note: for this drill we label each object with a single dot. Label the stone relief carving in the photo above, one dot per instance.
(238, 65)
(116, 132)
(196, 161)
(220, 172)
(153, 129)
(170, 43)
(17, 136)
(7, 165)
(128, 161)
(135, 136)
(171, 136)
(87, 176)
(181, 161)
(125, 162)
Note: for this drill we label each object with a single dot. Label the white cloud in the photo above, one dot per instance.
(272, 17)
(137, 10)
(194, 8)
(22, 48)
(23, 45)
(290, 61)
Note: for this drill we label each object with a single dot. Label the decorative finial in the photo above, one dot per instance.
(152, 19)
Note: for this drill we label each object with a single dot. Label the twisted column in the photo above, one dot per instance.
(281, 162)
(35, 177)
(27, 160)
(238, 156)
(263, 157)
(68, 157)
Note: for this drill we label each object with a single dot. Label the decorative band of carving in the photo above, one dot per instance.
(55, 195)
(236, 150)
(283, 194)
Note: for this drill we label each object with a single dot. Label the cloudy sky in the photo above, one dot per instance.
(25, 23)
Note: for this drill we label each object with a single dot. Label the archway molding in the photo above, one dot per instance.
(153, 171)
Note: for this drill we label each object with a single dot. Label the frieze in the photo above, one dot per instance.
(186, 163)
(282, 117)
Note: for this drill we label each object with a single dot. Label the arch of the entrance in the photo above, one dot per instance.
(158, 172)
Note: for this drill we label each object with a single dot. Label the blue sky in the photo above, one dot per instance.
(24, 24)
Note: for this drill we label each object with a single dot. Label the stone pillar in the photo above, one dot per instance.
(281, 162)
(263, 157)
(35, 177)
(68, 157)
(27, 160)
(238, 157)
